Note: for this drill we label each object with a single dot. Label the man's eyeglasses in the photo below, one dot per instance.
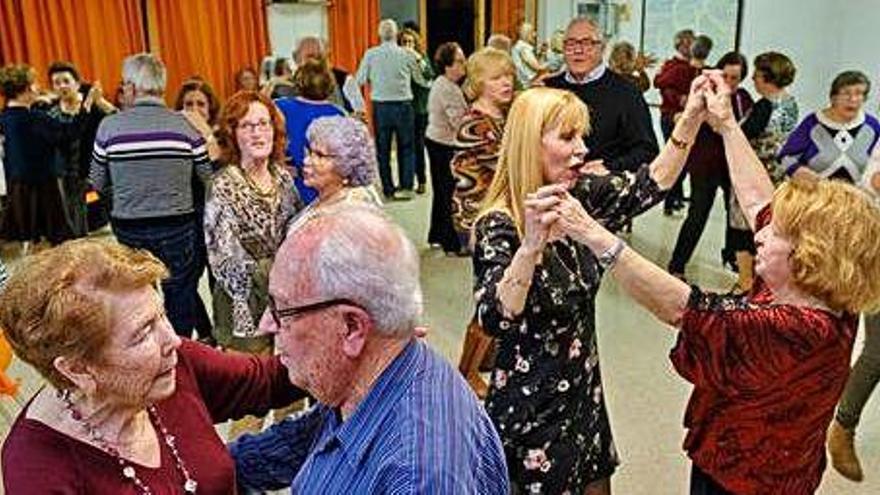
(571, 45)
(278, 314)
(260, 125)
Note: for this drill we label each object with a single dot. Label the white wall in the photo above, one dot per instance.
(289, 22)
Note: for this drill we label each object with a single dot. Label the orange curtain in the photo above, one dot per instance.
(353, 26)
(96, 35)
(507, 15)
(209, 38)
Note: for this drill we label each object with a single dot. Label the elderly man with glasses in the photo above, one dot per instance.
(392, 415)
(622, 137)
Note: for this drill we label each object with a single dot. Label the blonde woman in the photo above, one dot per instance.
(535, 289)
(489, 85)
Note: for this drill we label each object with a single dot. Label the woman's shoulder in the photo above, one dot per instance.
(32, 445)
(494, 219)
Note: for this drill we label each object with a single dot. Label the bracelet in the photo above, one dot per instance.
(609, 257)
(682, 145)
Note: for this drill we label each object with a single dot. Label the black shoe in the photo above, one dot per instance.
(420, 189)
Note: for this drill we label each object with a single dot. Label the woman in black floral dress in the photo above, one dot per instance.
(535, 290)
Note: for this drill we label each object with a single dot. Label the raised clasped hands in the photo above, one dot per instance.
(561, 214)
(718, 102)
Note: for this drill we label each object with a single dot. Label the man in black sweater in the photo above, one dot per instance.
(621, 132)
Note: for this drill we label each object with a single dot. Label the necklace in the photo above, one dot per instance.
(128, 470)
(270, 192)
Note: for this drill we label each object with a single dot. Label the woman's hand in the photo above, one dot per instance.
(718, 93)
(198, 121)
(572, 219)
(695, 105)
(540, 217)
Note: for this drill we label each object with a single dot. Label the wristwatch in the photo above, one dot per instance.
(609, 257)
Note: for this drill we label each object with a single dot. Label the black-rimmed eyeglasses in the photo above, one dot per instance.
(278, 314)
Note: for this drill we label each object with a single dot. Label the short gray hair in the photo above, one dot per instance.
(365, 257)
(583, 19)
(500, 42)
(349, 141)
(146, 72)
(387, 30)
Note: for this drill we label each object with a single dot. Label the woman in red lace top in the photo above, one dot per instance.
(769, 366)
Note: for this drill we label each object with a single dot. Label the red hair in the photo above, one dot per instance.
(233, 111)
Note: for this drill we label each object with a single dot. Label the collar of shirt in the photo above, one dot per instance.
(593, 75)
(149, 101)
(357, 433)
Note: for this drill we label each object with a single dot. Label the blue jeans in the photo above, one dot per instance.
(175, 245)
(395, 118)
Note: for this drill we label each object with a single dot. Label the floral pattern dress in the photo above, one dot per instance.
(546, 396)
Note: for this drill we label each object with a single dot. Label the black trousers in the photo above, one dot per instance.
(702, 484)
(419, 142)
(442, 230)
(676, 193)
(703, 191)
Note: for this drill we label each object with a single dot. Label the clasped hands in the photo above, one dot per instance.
(710, 101)
(552, 213)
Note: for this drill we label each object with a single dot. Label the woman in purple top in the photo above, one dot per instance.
(835, 142)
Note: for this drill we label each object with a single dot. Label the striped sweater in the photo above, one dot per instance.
(146, 157)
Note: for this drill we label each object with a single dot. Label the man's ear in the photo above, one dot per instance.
(77, 373)
(358, 325)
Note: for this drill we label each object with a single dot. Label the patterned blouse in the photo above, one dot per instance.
(783, 117)
(243, 228)
(545, 396)
(474, 167)
(767, 377)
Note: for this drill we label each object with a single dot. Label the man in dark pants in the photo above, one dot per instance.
(389, 69)
(673, 80)
(147, 156)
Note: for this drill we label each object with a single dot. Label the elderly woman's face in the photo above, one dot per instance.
(139, 365)
(499, 89)
(772, 261)
(196, 101)
(849, 100)
(319, 169)
(255, 134)
(562, 155)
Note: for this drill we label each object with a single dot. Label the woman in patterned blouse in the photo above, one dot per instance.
(767, 368)
(489, 85)
(251, 205)
(535, 290)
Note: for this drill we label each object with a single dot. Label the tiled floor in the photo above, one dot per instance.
(646, 398)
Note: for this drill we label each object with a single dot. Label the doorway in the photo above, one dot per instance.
(450, 20)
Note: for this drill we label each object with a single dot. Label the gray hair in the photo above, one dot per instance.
(500, 42)
(387, 30)
(582, 19)
(365, 257)
(525, 30)
(683, 35)
(146, 72)
(349, 141)
(701, 47)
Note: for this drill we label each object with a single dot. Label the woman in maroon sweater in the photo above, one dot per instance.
(129, 407)
(767, 368)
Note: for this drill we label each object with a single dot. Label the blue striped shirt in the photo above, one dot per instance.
(419, 430)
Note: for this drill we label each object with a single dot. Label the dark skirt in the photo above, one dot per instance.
(37, 211)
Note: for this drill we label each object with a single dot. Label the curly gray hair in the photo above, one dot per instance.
(351, 145)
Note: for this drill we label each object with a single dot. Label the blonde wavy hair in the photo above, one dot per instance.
(54, 304)
(834, 228)
(519, 172)
(484, 64)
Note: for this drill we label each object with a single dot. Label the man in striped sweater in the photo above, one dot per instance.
(147, 157)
